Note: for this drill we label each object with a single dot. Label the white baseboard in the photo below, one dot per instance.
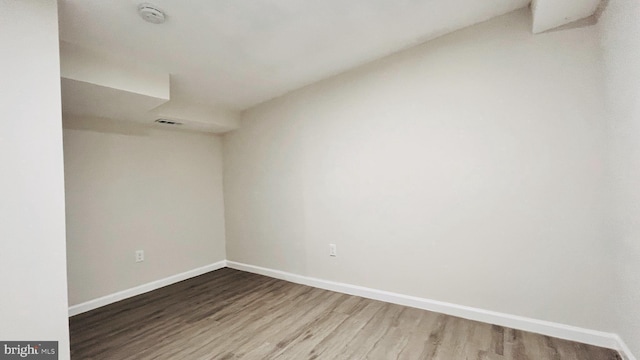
(121, 295)
(624, 349)
(567, 332)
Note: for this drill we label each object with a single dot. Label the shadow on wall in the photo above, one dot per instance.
(106, 126)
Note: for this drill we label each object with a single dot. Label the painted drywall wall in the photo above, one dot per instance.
(32, 229)
(85, 65)
(466, 170)
(132, 187)
(620, 32)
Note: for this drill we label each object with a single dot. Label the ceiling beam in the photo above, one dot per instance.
(550, 14)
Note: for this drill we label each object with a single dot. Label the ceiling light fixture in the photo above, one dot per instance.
(151, 13)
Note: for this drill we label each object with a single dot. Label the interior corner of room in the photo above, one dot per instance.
(487, 172)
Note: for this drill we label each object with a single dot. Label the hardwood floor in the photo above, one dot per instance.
(229, 314)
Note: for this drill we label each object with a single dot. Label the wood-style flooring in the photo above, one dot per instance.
(230, 314)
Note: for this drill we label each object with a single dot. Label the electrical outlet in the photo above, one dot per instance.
(139, 255)
(333, 250)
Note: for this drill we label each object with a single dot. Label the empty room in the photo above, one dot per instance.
(289, 179)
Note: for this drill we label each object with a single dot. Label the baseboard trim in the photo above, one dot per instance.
(567, 332)
(121, 295)
(623, 349)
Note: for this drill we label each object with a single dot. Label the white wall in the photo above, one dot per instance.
(621, 43)
(84, 65)
(32, 228)
(466, 170)
(131, 187)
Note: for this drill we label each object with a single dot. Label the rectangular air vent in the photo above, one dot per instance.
(168, 122)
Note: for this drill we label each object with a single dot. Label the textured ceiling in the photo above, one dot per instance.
(238, 53)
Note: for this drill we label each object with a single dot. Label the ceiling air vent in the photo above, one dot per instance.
(168, 122)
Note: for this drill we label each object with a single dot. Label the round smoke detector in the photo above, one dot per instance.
(151, 13)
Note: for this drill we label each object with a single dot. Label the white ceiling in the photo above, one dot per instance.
(238, 53)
